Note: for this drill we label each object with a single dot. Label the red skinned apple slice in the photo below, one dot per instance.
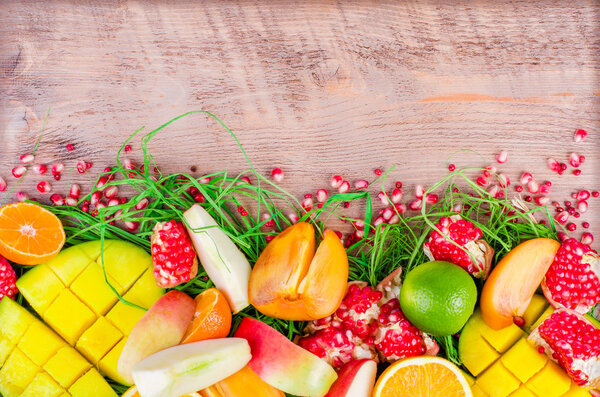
(509, 288)
(355, 379)
(163, 326)
(282, 364)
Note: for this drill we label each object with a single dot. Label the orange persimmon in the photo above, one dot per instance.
(293, 282)
(243, 383)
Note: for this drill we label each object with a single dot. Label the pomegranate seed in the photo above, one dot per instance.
(85, 208)
(481, 181)
(22, 196)
(75, 191)
(577, 172)
(489, 170)
(583, 195)
(568, 203)
(336, 181)
(585, 225)
(553, 164)
(398, 184)
(204, 180)
(451, 167)
(26, 158)
(519, 188)
(70, 147)
(88, 165)
(307, 203)
(111, 192)
(198, 197)
(19, 171)
(293, 217)
(277, 174)
(533, 187)
(127, 148)
(571, 227)
(321, 195)
(571, 210)
(131, 226)
(377, 171)
(577, 215)
(361, 184)
(528, 198)
(502, 157)
(545, 189)
(526, 177)
(44, 187)
(581, 159)
(344, 187)
(419, 191)
(541, 200)
(359, 224)
(387, 214)
(103, 180)
(70, 201)
(457, 208)
(240, 209)
(582, 206)
(394, 219)
(246, 180)
(81, 168)
(519, 321)
(57, 168)
(562, 217)
(563, 166)
(57, 199)
(113, 201)
(269, 237)
(562, 236)
(2, 184)
(574, 160)
(587, 238)
(346, 204)
(415, 205)
(503, 180)
(396, 195)
(431, 198)
(383, 198)
(123, 200)
(378, 221)
(579, 135)
(40, 169)
(95, 198)
(400, 208)
(548, 183)
(595, 193)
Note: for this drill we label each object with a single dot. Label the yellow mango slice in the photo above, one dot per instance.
(92, 384)
(477, 392)
(535, 309)
(549, 310)
(144, 292)
(551, 381)
(18, 371)
(502, 339)
(70, 262)
(108, 364)
(6, 347)
(576, 391)
(43, 385)
(69, 316)
(67, 366)
(97, 295)
(522, 392)
(120, 253)
(39, 343)
(497, 381)
(124, 317)
(97, 340)
(523, 360)
(14, 321)
(40, 286)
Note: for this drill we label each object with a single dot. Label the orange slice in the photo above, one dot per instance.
(29, 234)
(212, 318)
(422, 376)
(133, 392)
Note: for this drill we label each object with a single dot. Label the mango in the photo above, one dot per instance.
(497, 381)
(72, 295)
(522, 392)
(551, 381)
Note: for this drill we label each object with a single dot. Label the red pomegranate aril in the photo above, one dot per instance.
(336, 181)
(545, 189)
(127, 148)
(493, 190)
(101, 204)
(269, 237)
(361, 184)
(481, 181)
(595, 193)
(293, 217)
(396, 196)
(102, 181)
(131, 226)
(377, 171)
(3, 184)
(568, 203)
(582, 206)
(431, 198)
(400, 208)
(526, 177)
(457, 208)
(571, 227)
(585, 225)
(503, 180)
(587, 238)
(57, 168)
(277, 174)
(81, 167)
(19, 171)
(113, 202)
(541, 200)
(40, 169)
(489, 170)
(383, 198)
(519, 188)
(562, 237)
(70, 147)
(563, 166)
(533, 187)
(245, 179)
(571, 210)
(577, 172)
(344, 187)
(398, 184)
(75, 191)
(26, 158)
(44, 187)
(85, 208)
(359, 224)
(579, 135)
(583, 195)
(581, 159)
(321, 195)
(562, 217)
(307, 204)
(574, 160)
(70, 201)
(502, 157)
(387, 214)
(419, 191)
(553, 164)
(111, 192)
(528, 198)
(378, 221)
(346, 204)
(451, 167)
(95, 198)
(57, 199)
(415, 205)
(577, 215)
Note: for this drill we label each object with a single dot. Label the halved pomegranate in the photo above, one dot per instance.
(293, 282)
(458, 239)
(508, 291)
(173, 256)
(573, 342)
(573, 279)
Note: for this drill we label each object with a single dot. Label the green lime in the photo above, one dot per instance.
(438, 297)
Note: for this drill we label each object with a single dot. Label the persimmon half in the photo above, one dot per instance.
(291, 281)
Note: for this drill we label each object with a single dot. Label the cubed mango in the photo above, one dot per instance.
(39, 343)
(69, 316)
(477, 392)
(522, 392)
(69, 263)
(535, 309)
(18, 370)
(97, 340)
(108, 364)
(67, 366)
(120, 253)
(14, 319)
(43, 385)
(92, 289)
(145, 291)
(551, 381)
(6, 347)
(502, 339)
(497, 381)
(40, 286)
(124, 317)
(92, 384)
(523, 360)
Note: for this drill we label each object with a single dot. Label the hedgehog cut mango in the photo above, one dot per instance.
(35, 361)
(505, 364)
(71, 295)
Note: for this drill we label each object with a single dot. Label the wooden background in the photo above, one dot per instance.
(317, 88)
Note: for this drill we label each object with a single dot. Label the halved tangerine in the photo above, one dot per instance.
(29, 234)
(212, 318)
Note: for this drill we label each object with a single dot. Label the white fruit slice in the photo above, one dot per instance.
(184, 369)
(225, 264)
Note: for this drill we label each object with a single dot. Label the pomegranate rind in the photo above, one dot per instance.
(512, 283)
(585, 371)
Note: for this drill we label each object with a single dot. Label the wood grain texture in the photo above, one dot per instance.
(316, 88)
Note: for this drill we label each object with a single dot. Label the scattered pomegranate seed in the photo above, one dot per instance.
(307, 203)
(2, 184)
(432, 198)
(377, 171)
(563, 166)
(70, 147)
(562, 237)
(113, 202)
(111, 192)
(481, 181)
(95, 198)
(545, 189)
(103, 180)
(85, 208)
(70, 201)
(519, 321)
(581, 159)
(344, 187)
(57, 168)
(571, 227)
(75, 191)
(457, 208)
(574, 160)
(346, 204)
(127, 148)
(81, 168)
(394, 219)
(398, 184)
(541, 200)
(57, 199)
(142, 204)
(246, 180)
(359, 224)
(19, 171)
(451, 167)
(533, 187)
(383, 198)
(378, 221)
(519, 188)
(577, 172)
(562, 217)
(204, 180)
(199, 197)
(582, 206)
(396, 195)
(503, 180)
(293, 217)
(568, 203)
(526, 177)
(131, 226)
(585, 225)
(553, 164)
(502, 157)
(321, 195)
(489, 170)
(336, 181)
(40, 169)
(240, 208)
(361, 184)
(583, 195)
(528, 198)
(415, 205)
(419, 191)
(22, 196)
(387, 214)
(44, 187)
(26, 158)
(571, 210)
(577, 215)
(277, 174)
(579, 135)
(88, 165)
(587, 238)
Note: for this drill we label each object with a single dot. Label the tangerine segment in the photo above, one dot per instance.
(29, 234)
(212, 318)
(422, 376)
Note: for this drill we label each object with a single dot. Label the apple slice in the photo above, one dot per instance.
(225, 264)
(355, 379)
(283, 364)
(187, 368)
(511, 285)
(163, 325)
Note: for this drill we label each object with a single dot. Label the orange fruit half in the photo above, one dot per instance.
(29, 234)
(422, 377)
(212, 318)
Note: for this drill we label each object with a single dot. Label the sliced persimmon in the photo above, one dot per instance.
(292, 282)
(511, 285)
(29, 234)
